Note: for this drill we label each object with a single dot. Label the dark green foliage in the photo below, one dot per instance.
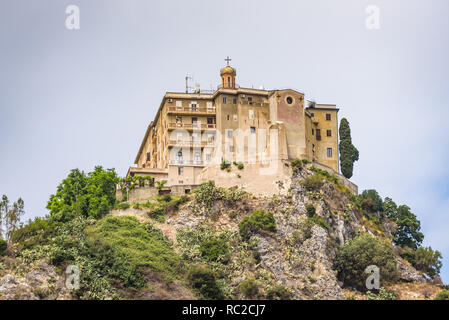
(319, 220)
(249, 288)
(348, 153)
(3, 247)
(258, 220)
(409, 226)
(442, 295)
(328, 176)
(357, 254)
(207, 194)
(310, 210)
(203, 280)
(371, 201)
(225, 165)
(383, 294)
(278, 292)
(214, 249)
(91, 195)
(296, 165)
(35, 232)
(428, 261)
(141, 245)
(166, 198)
(313, 182)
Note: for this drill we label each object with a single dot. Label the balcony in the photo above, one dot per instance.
(315, 120)
(190, 143)
(190, 110)
(192, 126)
(181, 162)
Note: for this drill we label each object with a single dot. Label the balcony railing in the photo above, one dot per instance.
(202, 126)
(189, 143)
(181, 162)
(187, 110)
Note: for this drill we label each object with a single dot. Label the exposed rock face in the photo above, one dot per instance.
(408, 273)
(41, 282)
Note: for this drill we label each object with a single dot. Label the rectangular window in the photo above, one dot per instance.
(180, 171)
(329, 133)
(210, 120)
(253, 129)
(234, 101)
(313, 132)
(318, 134)
(178, 103)
(148, 156)
(251, 114)
(329, 152)
(229, 133)
(224, 100)
(194, 106)
(312, 114)
(250, 99)
(228, 117)
(231, 148)
(328, 116)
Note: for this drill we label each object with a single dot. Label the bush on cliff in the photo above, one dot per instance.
(258, 220)
(359, 253)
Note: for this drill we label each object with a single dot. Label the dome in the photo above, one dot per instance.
(227, 70)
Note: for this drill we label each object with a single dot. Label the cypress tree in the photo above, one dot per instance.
(348, 153)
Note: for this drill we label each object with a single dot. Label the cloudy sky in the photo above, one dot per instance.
(79, 98)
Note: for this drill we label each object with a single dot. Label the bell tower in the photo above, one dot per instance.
(228, 76)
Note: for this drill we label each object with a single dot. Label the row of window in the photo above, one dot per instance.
(318, 133)
(328, 116)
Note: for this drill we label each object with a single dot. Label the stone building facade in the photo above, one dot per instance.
(193, 133)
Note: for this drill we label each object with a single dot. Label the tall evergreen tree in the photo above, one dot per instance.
(348, 152)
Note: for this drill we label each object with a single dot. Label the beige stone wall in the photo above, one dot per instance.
(326, 142)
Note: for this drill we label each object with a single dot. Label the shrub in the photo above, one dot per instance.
(240, 166)
(310, 210)
(278, 292)
(319, 221)
(129, 247)
(166, 198)
(383, 294)
(359, 253)
(371, 201)
(296, 165)
(3, 247)
(249, 288)
(258, 220)
(225, 165)
(214, 249)
(442, 295)
(313, 182)
(204, 282)
(428, 261)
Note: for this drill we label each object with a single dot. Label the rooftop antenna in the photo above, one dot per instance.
(188, 77)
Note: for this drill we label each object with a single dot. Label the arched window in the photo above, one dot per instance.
(229, 81)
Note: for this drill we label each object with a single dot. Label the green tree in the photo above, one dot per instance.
(359, 253)
(348, 152)
(371, 201)
(10, 216)
(428, 261)
(91, 195)
(409, 226)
